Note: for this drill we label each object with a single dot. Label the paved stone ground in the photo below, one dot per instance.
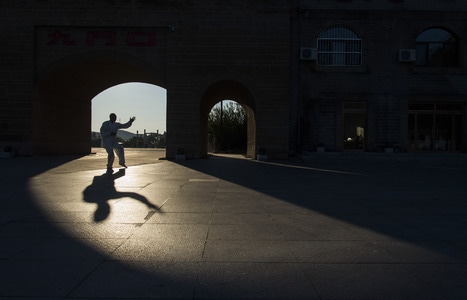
(332, 226)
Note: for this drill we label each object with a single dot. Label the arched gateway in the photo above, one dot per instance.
(232, 90)
(62, 111)
(73, 63)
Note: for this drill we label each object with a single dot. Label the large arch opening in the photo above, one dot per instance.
(62, 108)
(147, 102)
(235, 91)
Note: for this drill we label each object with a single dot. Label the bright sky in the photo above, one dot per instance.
(146, 102)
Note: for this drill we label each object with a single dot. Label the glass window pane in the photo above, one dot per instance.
(456, 133)
(412, 144)
(421, 106)
(425, 132)
(355, 105)
(435, 35)
(338, 59)
(443, 133)
(449, 106)
(421, 57)
(436, 55)
(451, 55)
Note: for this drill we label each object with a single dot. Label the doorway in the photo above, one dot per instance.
(355, 119)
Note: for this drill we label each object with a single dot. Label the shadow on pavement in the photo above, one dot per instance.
(419, 200)
(102, 189)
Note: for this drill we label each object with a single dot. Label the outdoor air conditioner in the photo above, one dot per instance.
(308, 53)
(407, 55)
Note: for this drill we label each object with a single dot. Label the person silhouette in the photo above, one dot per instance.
(109, 131)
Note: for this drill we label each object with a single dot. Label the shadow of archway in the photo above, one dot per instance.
(407, 199)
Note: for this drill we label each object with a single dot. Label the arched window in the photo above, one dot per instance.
(339, 46)
(436, 47)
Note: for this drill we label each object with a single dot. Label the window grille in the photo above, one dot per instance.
(339, 46)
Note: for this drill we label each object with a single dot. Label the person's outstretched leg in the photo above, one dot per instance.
(120, 154)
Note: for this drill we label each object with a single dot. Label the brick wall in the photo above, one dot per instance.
(62, 53)
(383, 82)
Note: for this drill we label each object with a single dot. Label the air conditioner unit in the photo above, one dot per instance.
(407, 55)
(308, 53)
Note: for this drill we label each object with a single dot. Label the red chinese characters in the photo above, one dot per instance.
(106, 38)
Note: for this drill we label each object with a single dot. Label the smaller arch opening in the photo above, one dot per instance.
(236, 93)
(227, 128)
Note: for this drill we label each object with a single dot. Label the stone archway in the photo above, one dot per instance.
(62, 108)
(231, 90)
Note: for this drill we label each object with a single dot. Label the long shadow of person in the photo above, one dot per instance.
(102, 189)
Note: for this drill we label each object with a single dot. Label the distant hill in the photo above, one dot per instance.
(125, 135)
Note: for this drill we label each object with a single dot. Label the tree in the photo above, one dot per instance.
(134, 142)
(227, 127)
(152, 140)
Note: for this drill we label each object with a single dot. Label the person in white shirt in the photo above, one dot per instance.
(109, 132)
